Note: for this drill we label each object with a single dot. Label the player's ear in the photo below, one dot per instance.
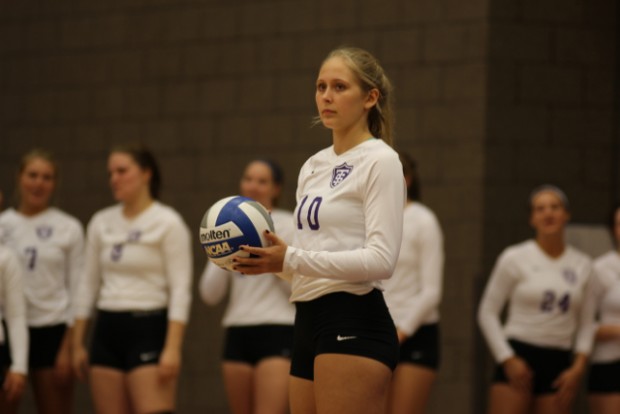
(371, 98)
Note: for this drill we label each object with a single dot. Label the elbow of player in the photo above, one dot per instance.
(384, 270)
(208, 298)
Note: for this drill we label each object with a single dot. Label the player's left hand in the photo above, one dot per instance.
(567, 384)
(13, 386)
(63, 370)
(267, 259)
(169, 364)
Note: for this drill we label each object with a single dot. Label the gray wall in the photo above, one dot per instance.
(493, 97)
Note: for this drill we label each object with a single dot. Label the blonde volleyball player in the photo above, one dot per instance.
(348, 227)
(604, 378)
(259, 317)
(544, 282)
(413, 294)
(138, 273)
(14, 352)
(50, 245)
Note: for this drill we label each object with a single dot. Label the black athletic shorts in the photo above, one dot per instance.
(127, 340)
(422, 348)
(45, 342)
(5, 361)
(5, 353)
(604, 378)
(250, 344)
(546, 363)
(343, 323)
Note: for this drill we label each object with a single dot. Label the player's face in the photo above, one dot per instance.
(549, 216)
(127, 179)
(340, 100)
(257, 183)
(36, 184)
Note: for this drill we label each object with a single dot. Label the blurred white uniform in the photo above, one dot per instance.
(545, 298)
(414, 290)
(143, 263)
(50, 246)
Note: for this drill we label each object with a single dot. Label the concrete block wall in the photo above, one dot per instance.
(482, 88)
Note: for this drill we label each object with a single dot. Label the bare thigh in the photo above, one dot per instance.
(238, 377)
(548, 404)
(301, 392)
(504, 399)
(604, 403)
(410, 389)
(52, 395)
(271, 377)
(148, 393)
(109, 391)
(350, 384)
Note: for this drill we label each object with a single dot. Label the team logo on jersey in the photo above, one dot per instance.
(44, 232)
(134, 236)
(570, 276)
(340, 173)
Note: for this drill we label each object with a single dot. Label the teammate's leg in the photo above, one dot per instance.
(350, 384)
(271, 378)
(109, 390)
(53, 394)
(410, 389)
(238, 378)
(301, 396)
(604, 403)
(148, 393)
(504, 399)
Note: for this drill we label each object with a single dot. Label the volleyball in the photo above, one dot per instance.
(230, 223)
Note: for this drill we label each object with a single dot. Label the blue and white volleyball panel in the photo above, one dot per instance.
(230, 223)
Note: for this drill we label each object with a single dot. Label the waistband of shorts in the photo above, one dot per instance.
(134, 313)
(339, 298)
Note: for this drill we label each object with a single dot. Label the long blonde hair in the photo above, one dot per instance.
(371, 76)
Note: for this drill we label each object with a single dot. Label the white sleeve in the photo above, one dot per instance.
(431, 270)
(586, 329)
(213, 284)
(496, 294)
(88, 284)
(383, 214)
(177, 252)
(75, 261)
(15, 314)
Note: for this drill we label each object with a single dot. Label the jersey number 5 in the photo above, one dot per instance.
(312, 215)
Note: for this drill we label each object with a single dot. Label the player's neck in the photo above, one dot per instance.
(135, 206)
(30, 211)
(552, 244)
(346, 139)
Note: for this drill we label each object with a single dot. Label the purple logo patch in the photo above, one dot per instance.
(340, 173)
(570, 276)
(44, 232)
(134, 236)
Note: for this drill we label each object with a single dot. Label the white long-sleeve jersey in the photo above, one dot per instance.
(349, 221)
(50, 246)
(13, 309)
(607, 294)
(144, 263)
(545, 297)
(254, 300)
(414, 291)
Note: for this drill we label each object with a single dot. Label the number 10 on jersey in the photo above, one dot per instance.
(312, 213)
